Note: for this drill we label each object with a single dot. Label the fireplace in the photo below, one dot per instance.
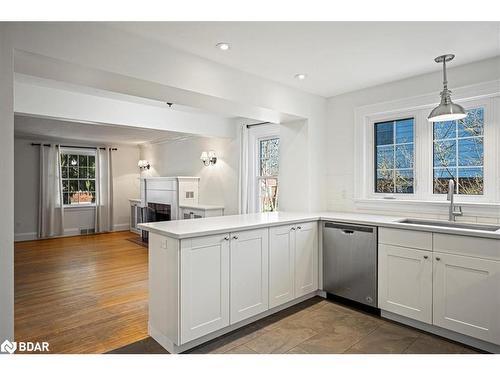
(156, 212)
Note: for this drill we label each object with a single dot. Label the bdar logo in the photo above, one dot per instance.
(8, 347)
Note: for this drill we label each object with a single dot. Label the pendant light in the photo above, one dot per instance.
(446, 110)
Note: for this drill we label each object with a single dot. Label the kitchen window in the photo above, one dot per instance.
(458, 154)
(394, 156)
(78, 177)
(403, 162)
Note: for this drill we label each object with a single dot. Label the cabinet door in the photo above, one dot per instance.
(306, 258)
(405, 282)
(281, 265)
(204, 286)
(467, 296)
(249, 274)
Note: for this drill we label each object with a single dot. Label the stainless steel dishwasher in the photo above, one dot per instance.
(350, 262)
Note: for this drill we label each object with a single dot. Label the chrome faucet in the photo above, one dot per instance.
(454, 211)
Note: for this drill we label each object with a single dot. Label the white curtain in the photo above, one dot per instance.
(50, 200)
(104, 191)
(243, 175)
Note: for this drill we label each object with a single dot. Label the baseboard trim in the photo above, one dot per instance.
(28, 236)
(68, 232)
(173, 348)
(121, 227)
(451, 335)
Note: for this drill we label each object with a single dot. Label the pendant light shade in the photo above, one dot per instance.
(446, 110)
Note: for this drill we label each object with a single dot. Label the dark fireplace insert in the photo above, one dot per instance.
(156, 212)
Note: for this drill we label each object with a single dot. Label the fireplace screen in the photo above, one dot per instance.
(158, 212)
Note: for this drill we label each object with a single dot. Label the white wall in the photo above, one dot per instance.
(6, 186)
(26, 174)
(340, 129)
(218, 183)
(294, 188)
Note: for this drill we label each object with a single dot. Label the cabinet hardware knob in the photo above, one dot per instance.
(299, 227)
(438, 258)
(426, 256)
(292, 228)
(226, 238)
(235, 237)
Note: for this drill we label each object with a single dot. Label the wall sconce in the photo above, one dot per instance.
(143, 164)
(208, 158)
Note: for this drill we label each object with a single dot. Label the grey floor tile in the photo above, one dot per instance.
(426, 344)
(242, 349)
(280, 340)
(386, 339)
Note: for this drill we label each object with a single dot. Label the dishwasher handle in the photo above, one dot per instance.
(349, 229)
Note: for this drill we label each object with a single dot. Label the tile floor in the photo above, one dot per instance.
(318, 326)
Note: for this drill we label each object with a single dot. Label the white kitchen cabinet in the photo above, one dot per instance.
(467, 295)
(405, 282)
(293, 262)
(281, 264)
(306, 258)
(204, 296)
(249, 274)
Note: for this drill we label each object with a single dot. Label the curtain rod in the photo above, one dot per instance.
(259, 123)
(89, 147)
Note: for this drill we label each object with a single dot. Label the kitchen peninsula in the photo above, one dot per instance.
(210, 276)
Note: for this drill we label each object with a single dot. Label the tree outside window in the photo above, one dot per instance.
(78, 178)
(394, 156)
(267, 178)
(458, 154)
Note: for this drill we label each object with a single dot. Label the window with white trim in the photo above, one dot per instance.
(263, 167)
(394, 156)
(78, 176)
(464, 150)
(458, 154)
(267, 178)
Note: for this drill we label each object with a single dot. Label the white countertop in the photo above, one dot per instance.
(221, 224)
(199, 206)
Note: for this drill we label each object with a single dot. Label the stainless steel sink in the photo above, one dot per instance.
(451, 224)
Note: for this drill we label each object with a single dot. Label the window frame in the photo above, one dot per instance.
(370, 161)
(255, 135)
(259, 177)
(374, 163)
(365, 117)
(79, 151)
(489, 146)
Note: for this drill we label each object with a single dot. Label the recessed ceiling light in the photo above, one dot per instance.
(300, 76)
(223, 46)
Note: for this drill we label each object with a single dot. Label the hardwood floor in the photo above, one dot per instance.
(85, 294)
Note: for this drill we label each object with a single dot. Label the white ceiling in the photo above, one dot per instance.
(338, 57)
(53, 129)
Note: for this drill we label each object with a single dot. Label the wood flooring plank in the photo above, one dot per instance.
(83, 294)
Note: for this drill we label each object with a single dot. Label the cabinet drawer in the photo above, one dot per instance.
(487, 248)
(405, 238)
